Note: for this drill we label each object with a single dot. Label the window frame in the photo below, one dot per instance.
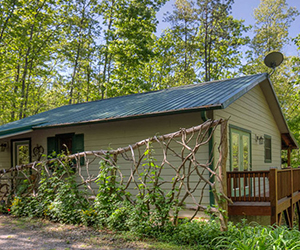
(77, 144)
(267, 137)
(59, 138)
(16, 142)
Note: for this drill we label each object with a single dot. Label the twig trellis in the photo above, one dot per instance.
(169, 164)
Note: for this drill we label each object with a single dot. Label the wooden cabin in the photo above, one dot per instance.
(257, 133)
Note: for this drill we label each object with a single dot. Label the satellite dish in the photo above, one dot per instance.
(273, 59)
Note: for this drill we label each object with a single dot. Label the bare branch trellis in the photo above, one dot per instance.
(169, 165)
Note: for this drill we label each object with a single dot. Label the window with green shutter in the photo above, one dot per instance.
(78, 145)
(51, 146)
(66, 143)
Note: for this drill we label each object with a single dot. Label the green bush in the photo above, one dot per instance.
(68, 203)
(254, 236)
(57, 198)
(4, 209)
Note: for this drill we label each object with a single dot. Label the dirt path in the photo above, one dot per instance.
(23, 233)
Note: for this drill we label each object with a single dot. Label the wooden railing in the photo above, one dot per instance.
(296, 180)
(278, 188)
(248, 185)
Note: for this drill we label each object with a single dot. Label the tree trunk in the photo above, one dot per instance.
(7, 20)
(107, 56)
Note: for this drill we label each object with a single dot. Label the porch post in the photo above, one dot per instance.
(289, 157)
(273, 195)
(291, 209)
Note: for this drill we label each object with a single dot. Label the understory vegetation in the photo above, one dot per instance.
(59, 199)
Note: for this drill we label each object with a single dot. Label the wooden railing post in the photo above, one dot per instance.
(289, 157)
(273, 195)
(291, 208)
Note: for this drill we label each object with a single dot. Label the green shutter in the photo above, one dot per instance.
(78, 145)
(51, 145)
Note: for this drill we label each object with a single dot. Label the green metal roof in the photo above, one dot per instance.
(203, 96)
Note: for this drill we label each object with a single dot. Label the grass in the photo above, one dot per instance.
(195, 235)
(88, 237)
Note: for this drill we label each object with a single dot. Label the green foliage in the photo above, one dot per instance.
(245, 236)
(207, 235)
(204, 38)
(57, 199)
(4, 209)
(129, 44)
(109, 194)
(273, 18)
(144, 213)
(196, 233)
(59, 52)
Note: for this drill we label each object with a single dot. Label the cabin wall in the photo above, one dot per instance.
(113, 135)
(252, 112)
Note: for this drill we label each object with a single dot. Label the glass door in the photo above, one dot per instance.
(20, 155)
(240, 149)
(21, 152)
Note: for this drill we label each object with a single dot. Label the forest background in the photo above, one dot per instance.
(59, 52)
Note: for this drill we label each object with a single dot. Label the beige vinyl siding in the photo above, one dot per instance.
(252, 112)
(4, 157)
(113, 135)
(5, 164)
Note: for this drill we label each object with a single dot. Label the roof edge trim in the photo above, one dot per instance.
(239, 93)
(171, 112)
(16, 133)
(282, 115)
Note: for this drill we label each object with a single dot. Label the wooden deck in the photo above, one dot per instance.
(274, 193)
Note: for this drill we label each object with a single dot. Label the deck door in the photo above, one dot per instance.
(20, 155)
(240, 158)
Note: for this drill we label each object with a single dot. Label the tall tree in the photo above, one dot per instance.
(78, 47)
(132, 45)
(221, 36)
(182, 34)
(206, 40)
(29, 32)
(293, 94)
(272, 21)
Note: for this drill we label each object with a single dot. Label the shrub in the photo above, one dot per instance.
(57, 199)
(254, 236)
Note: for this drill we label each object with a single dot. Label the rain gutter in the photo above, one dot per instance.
(210, 157)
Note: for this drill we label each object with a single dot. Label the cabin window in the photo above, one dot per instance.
(65, 143)
(268, 149)
(240, 149)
